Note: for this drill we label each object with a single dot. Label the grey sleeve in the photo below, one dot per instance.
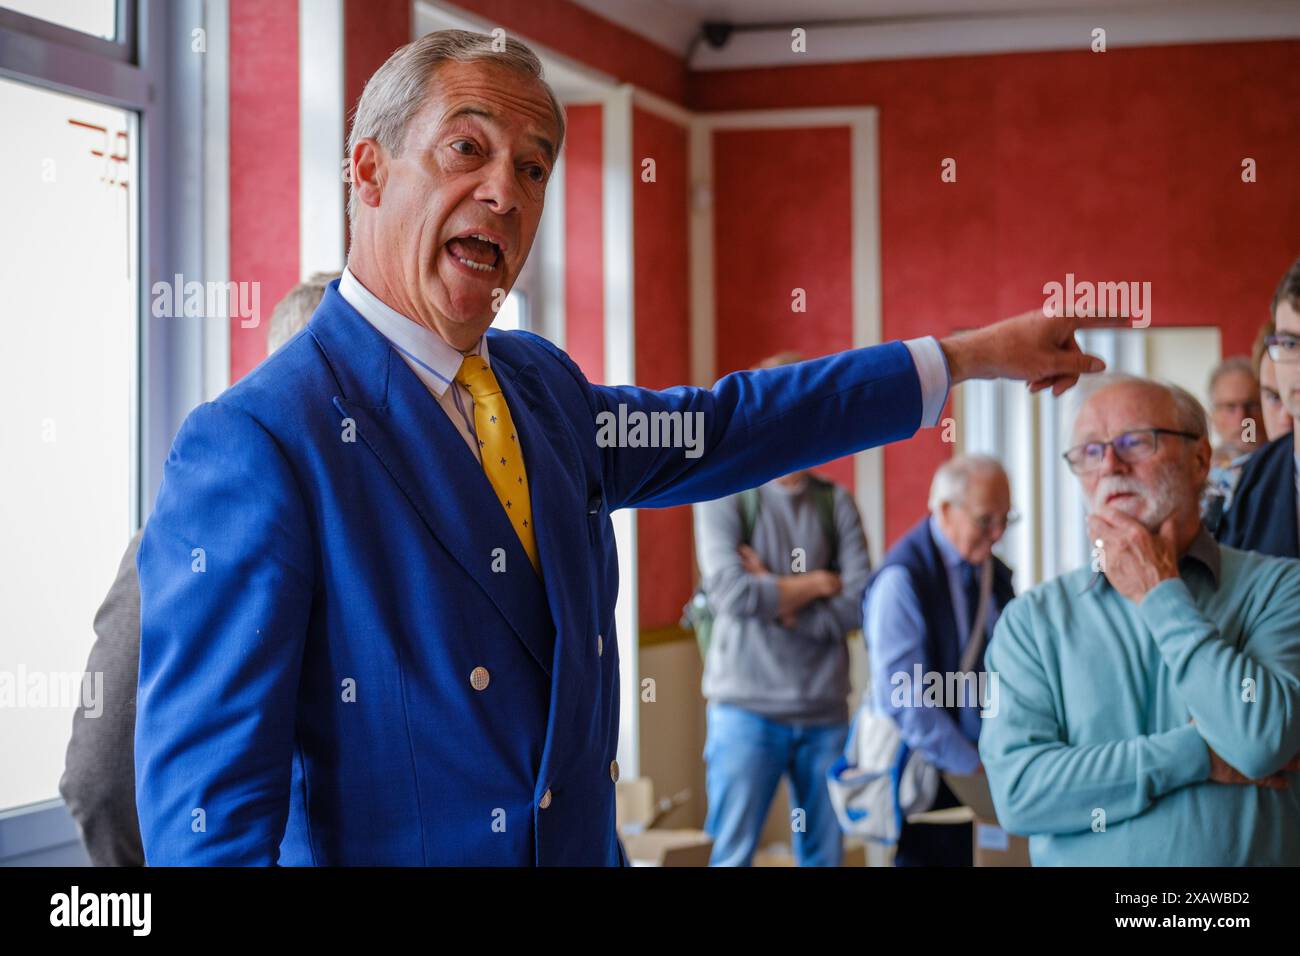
(98, 782)
(833, 619)
(730, 588)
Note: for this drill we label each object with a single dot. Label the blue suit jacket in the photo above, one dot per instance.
(305, 690)
(1263, 510)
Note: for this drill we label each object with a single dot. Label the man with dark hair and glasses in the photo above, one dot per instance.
(1277, 420)
(1146, 711)
(1265, 510)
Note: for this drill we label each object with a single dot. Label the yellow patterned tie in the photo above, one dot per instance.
(498, 443)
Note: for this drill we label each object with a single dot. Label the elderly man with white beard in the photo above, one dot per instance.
(1149, 708)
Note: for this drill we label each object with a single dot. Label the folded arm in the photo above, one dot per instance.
(731, 589)
(1043, 784)
(831, 618)
(1245, 701)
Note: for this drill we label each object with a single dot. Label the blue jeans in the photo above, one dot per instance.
(746, 755)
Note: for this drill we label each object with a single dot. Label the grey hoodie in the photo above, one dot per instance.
(798, 674)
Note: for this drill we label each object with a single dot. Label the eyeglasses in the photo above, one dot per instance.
(1129, 447)
(986, 523)
(1245, 407)
(1283, 348)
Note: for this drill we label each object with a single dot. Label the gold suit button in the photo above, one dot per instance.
(479, 678)
(546, 800)
(613, 770)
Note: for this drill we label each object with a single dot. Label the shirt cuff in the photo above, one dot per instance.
(932, 369)
(1168, 608)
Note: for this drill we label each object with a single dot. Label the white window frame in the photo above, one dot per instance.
(1029, 434)
(147, 69)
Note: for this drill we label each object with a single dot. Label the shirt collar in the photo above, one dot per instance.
(947, 550)
(433, 360)
(1205, 550)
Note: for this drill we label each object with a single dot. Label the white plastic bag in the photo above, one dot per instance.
(879, 780)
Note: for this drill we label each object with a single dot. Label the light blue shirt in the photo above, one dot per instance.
(896, 640)
(1092, 751)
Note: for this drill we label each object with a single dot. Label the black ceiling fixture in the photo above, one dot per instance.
(717, 33)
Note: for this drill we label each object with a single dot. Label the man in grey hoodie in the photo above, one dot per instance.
(776, 675)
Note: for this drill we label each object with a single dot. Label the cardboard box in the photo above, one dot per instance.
(636, 812)
(668, 848)
(994, 846)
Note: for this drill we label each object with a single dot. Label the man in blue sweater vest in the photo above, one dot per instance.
(1147, 711)
(930, 610)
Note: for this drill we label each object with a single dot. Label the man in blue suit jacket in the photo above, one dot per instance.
(1265, 511)
(372, 633)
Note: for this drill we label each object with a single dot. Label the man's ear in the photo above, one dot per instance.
(369, 170)
(1202, 455)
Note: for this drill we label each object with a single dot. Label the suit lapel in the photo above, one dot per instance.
(558, 487)
(403, 425)
(558, 493)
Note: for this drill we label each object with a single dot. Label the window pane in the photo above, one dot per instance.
(68, 307)
(513, 313)
(96, 17)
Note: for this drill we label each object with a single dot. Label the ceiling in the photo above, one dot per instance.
(675, 24)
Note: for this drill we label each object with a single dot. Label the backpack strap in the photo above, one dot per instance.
(823, 495)
(748, 514)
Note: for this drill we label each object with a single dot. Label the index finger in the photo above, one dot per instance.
(1076, 322)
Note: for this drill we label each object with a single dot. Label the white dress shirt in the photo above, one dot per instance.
(932, 369)
(432, 360)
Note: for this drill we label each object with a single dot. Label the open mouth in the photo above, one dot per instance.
(475, 252)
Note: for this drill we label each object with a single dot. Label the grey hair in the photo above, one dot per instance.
(396, 91)
(953, 478)
(1187, 409)
(294, 311)
(1235, 363)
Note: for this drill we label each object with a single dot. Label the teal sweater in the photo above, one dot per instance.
(1095, 698)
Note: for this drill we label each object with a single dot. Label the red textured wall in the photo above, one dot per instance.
(663, 345)
(588, 38)
(782, 221)
(584, 265)
(263, 162)
(1122, 165)
(372, 30)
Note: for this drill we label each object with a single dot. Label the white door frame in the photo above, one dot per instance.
(868, 466)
